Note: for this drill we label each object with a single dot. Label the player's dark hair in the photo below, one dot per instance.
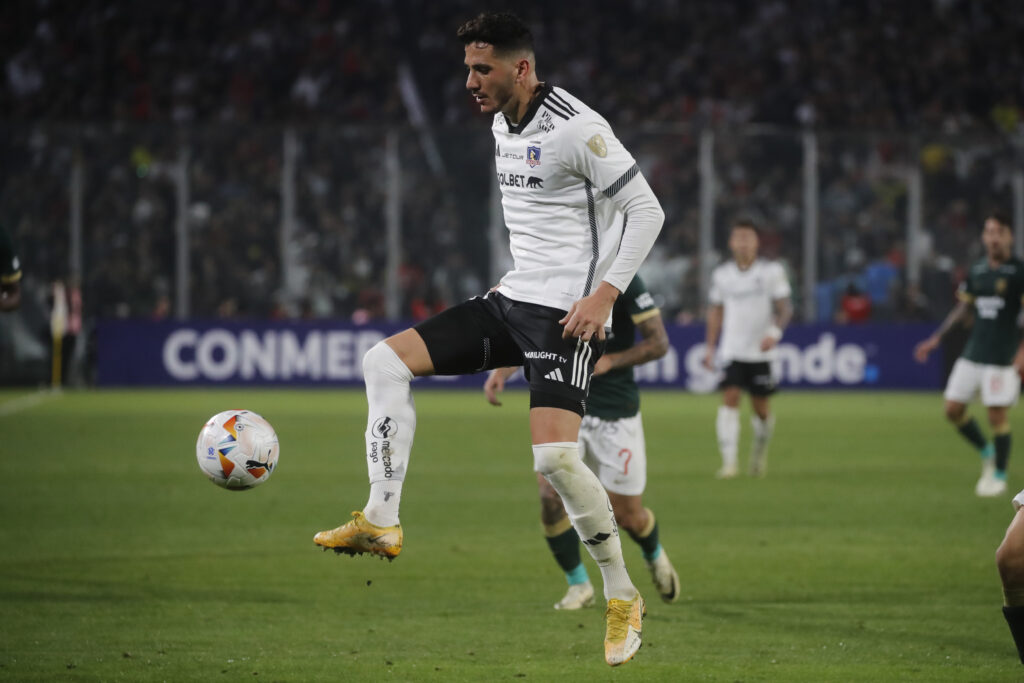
(502, 30)
(1000, 217)
(746, 224)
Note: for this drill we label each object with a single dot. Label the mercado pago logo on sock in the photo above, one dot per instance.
(384, 427)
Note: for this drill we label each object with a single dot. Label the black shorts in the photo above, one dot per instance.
(755, 377)
(494, 331)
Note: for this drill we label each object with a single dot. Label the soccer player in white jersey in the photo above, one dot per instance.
(581, 219)
(749, 304)
(613, 446)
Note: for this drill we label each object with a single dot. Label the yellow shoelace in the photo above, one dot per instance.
(617, 617)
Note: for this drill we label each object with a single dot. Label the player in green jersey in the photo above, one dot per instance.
(10, 274)
(994, 357)
(612, 444)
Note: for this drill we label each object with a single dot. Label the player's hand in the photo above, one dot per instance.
(922, 350)
(603, 365)
(709, 359)
(494, 385)
(769, 342)
(586, 317)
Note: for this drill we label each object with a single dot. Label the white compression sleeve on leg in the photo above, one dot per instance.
(389, 431)
(727, 426)
(589, 511)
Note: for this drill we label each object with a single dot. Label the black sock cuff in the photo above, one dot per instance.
(1015, 620)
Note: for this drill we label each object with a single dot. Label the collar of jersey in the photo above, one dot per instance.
(531, 111)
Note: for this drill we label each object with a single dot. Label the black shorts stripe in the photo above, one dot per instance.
(556, 98)
(614, 188)
(592, 216)
(555, 111)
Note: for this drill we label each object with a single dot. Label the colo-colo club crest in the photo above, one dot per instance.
(533, 156)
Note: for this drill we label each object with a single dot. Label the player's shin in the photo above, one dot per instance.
(727, 428)
(1002, 442)
(763, 430)
(969, 429)
(389, 431)
(589, 510)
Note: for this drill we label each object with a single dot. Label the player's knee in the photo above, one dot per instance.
(954, 412)
(381, 360)
(1010, 562)
(631, 520)
(549, 458)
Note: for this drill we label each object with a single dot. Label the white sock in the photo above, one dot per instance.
(763, 430)
(382, 507)
(389, 431)
(727, 426)
(590, 511)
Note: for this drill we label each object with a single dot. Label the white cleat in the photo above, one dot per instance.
(990, 486)
(578, 596)
(727, 472)
(666, 580)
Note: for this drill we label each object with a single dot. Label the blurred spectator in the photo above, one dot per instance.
(854, 306)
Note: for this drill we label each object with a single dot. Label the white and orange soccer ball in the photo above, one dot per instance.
(237, 449)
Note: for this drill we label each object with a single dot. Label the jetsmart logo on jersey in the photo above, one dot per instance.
(545, 355)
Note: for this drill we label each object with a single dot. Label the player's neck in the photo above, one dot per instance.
(743, 265)
(996, 261)
(528, 92)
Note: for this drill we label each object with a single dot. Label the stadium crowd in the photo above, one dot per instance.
(127, 87)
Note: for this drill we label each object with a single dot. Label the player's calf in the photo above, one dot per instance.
(1010, 562)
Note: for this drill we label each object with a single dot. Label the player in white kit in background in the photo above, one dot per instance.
(568, 187)
(749, 304)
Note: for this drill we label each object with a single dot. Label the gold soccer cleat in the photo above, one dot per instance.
(360, 536)
(624, 623)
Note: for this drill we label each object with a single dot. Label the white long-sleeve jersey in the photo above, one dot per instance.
(576, 206)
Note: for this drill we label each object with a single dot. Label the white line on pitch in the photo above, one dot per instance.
(26, 402)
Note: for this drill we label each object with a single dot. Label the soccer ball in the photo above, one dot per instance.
(237, 449)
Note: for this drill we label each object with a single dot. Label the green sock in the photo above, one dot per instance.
(1002, 442)
(970, 431)
(566, 549)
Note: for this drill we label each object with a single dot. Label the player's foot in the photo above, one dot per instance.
(359, 536)
(666, 580)
(989, 485)
(624, 619)
(758, 465)
(578, 596)
(727, 472)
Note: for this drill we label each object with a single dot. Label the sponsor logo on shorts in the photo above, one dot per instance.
(545, 355)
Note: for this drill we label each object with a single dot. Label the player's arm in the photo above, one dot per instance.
(599, 156)
(783, 313)
(713, 329)
(959, 313)
(653, 345)
(495, 383)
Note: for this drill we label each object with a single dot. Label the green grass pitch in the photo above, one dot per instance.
(863, 556)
